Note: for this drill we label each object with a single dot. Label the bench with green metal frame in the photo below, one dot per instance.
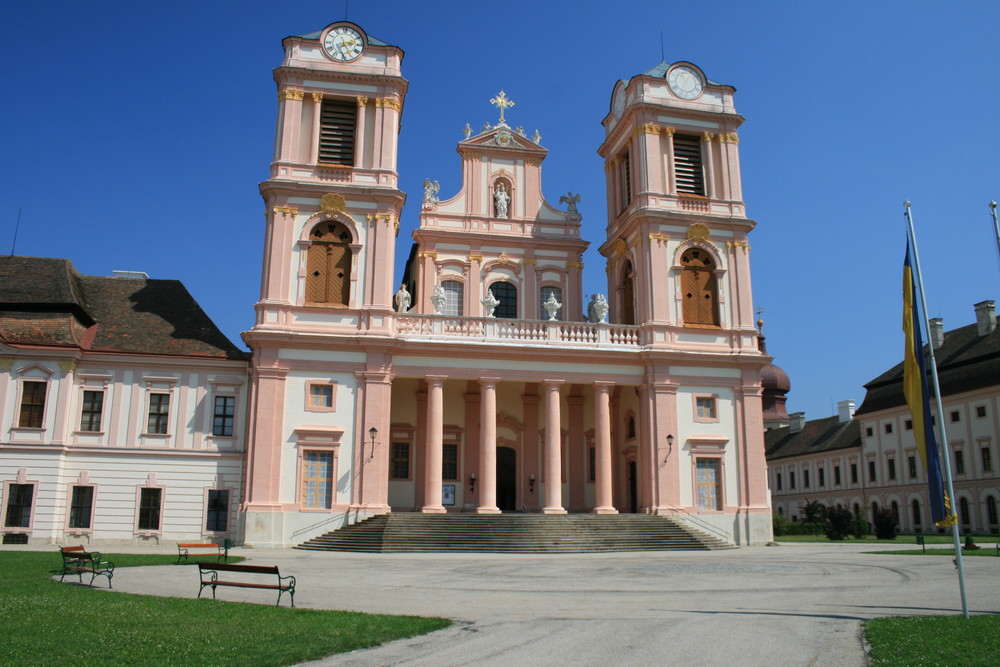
(77, 560)
(210, 576)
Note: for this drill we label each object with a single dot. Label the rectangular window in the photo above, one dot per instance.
(222, 418)
(805, 478)
(709, 484)
(955, 416)
(320, 396)
(317, 479)
(32, 404)
(892, 468)
(336, 132)
(959, 462)
(19, 497)
(822, 477)
(449, 461)
(592, 464)
(687, 164)
(626, 180)
(868, 431)
(400, 466)
(81, 507)
(908, 425)
(987, 459)
(911, 463)
(159, 413)
(705, 408)
(91, 411)
(149, 508)
(980, 410)
(888, 428)
(854, 473)
(217, 517)
(778, 480)
(791, 479)
(871, 471)
(454, 298)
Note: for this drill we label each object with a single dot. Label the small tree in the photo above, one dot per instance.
(838, 522)
(779, 523)
(885, 524)
(859, 526)
(813, 511)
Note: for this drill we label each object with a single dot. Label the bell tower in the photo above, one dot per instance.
(332, 200)
(677, 228)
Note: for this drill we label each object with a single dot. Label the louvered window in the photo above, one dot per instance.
(336, 132)
(626, 181)
(687, 164)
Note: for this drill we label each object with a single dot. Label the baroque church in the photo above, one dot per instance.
(479, 381)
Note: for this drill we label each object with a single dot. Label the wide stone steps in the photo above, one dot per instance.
(514, 533)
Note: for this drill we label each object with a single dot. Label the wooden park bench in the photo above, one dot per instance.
(79, 561)
(219, 551)
(236, 576)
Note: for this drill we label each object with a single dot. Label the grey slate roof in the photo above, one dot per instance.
(374, 41)
(966, 361)
(817, 435)
(660, 71)
(46, 302)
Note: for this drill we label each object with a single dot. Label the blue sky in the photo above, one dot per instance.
(134, 136)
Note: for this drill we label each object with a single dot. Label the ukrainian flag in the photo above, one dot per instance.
(918, 398)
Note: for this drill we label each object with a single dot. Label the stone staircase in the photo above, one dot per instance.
(514, 533)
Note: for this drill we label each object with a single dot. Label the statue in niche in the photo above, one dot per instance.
(551, 306)
(490, 303)
(597, 309)
(403, 299)
(438, 299)
(431, 190)
(571, 200)
(501, 199)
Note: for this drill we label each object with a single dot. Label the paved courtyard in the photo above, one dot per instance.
(786, 605)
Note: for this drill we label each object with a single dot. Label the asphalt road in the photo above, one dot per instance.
(784, 605)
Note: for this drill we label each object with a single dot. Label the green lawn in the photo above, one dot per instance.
(47, 622)
(934, 640)
(985, 541)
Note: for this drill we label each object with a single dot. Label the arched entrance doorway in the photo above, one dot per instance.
(506, 479)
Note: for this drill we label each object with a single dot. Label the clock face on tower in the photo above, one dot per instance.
(685, 82)
(343, 43)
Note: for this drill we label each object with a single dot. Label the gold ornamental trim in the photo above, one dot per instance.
(389, 103)
(739, 244)
(530, 261)
(574, 265)
(707, 136)
(661, 239)
(475, 257)
(362, 101)
(289, 94)
(317, 97)
(286, 211)
(619, 248)
(698, 232)
(332, 203)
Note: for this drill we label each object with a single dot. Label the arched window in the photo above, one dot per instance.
(895, 511)
(991, 509)
(545, 294)
(963, 511)
(631, 427)
(506, 294)
(627, 316)
(916, 512)
(328, 274)
(699, 288)
(454, 293)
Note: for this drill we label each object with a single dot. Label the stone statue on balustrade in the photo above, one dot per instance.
(597, 309)
(403, 299)
(438, 299)
(552, 306)
(431, 190)
(490, 303)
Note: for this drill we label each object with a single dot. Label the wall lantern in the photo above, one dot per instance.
(472, 482)
(531, 483)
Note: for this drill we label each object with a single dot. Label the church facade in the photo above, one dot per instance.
(479, 381)
(480, 384)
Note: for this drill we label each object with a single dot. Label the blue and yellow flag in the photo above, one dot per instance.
(918, 398)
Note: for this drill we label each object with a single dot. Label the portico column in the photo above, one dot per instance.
(435, 436)
(488, 447)
(553, 450)
(602, 444)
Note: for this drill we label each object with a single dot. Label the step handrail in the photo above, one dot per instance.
(337, 518)
(703, 525)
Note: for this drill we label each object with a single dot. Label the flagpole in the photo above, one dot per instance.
(996, 227)
(940, 407)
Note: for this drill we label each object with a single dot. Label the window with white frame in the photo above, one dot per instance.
(158, 419)
(454, 298)
(32, 404)
(91, 410)
(400, 464)
(150, 506)
(217, 511)
(223, 415)
(19, 500)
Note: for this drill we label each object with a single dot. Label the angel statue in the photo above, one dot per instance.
(438, 298)
(490, 303)
(571, 200)
(431, 190)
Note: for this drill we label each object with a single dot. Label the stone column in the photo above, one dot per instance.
(317, 102)
(602, 444)
(553, 450)
(435, 436)
(488, 447)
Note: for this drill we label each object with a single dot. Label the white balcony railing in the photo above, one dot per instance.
(489, 329)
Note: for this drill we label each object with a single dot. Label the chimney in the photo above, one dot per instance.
(937, 331)
(986, 317)
(845, 411)
(796, 421)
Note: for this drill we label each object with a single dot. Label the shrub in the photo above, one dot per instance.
(838, 522)
(885, 524)
(780, 524)
(859, 526)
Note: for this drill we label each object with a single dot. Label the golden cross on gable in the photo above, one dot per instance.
(502, 101)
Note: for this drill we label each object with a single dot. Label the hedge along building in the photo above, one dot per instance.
(481, 384)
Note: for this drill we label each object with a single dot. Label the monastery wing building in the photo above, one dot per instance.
(480, 382)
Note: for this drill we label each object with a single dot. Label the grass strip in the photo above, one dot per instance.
(48, 623)
(991, 552)
(913, 641)
(900, 539)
